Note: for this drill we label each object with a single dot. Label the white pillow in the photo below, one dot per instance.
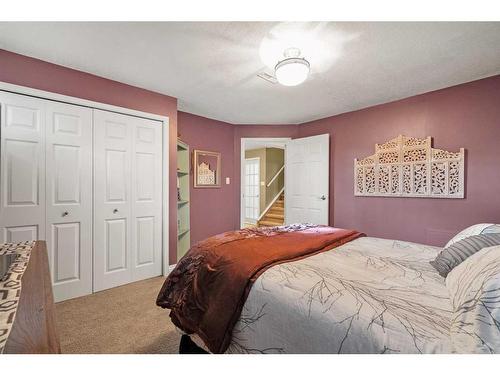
(474, 287)
(473, 231)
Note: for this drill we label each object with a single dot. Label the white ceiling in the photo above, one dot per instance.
(211, 67)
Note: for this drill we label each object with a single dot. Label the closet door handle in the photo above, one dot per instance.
(322, 198)
(65, 213)
(115, 210)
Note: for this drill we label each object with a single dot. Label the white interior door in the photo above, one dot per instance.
(252, 190)
(127, 199)
(22, 148)
(69, 198)
(307, 180)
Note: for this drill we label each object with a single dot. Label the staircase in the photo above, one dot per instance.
(275, 215)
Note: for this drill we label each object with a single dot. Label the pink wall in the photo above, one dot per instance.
(26, 71)
(218, 210)
(466, 116)
(462, 116)
(212, 209)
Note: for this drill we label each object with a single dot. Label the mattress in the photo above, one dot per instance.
(370, 295)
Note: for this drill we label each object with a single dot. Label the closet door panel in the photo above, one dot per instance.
(145, 240)
(22, 172)
(69, 198)
(21, 233)
(67, 181)
(22, 168)
(112, 199)
(66, 248)
(116, 245)
(146, 198)
(117, 163)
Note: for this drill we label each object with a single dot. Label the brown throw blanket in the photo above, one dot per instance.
(208, 288)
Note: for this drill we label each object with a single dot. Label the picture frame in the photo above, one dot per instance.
(206, 166)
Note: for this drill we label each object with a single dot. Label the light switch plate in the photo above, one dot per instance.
(228, 180)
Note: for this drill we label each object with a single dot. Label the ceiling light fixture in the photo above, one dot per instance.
(292, 70)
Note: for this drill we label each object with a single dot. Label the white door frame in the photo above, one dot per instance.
(242, 168)
(258, 201)
(16, 89)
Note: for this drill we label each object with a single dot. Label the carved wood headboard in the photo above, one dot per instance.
(410, 167)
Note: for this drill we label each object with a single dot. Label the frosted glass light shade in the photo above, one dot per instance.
(292, 71)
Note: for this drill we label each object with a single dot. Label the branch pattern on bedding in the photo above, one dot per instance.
(367, 296)
(474, 287)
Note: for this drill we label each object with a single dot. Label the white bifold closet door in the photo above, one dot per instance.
(69, 198)
(87, 181)
(127, 199)
(46, 185)
(22, 198)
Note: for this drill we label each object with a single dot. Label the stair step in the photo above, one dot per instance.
(267, 223)
(270, 215)
(268, 218)
(275, 216)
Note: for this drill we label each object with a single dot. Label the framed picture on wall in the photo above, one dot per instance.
(206, 169)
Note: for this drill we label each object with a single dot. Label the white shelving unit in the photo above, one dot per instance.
(183, 221)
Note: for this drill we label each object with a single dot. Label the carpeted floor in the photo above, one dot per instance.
(119, 320)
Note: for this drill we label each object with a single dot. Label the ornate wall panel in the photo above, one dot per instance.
(410, 167)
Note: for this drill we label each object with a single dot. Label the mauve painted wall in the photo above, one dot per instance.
(462, 116)
(212, 209)
(466, 116)
(218, 210)
(26, 71)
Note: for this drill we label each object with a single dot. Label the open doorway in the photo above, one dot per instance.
(263, 181)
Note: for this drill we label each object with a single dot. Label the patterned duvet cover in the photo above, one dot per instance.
(373, 295)
(367, 296)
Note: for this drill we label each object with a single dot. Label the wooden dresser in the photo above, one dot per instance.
(34, 329)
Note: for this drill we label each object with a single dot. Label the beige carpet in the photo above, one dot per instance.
(119, 320)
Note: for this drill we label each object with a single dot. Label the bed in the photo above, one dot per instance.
(369, 295)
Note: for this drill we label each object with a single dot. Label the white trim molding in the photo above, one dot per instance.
(410, 167)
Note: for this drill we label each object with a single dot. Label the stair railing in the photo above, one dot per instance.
(276, 175)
